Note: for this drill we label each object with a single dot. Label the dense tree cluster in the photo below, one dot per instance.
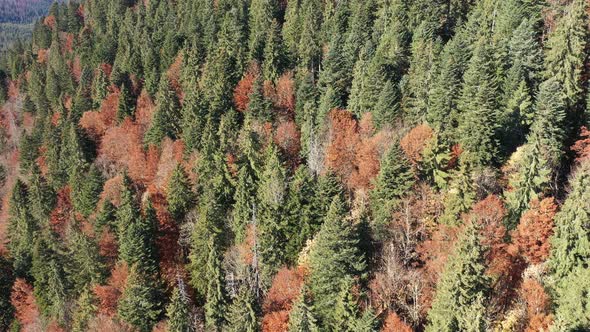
(300, 165)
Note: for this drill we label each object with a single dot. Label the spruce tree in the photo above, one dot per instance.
(261, 15)
(301, 317)
(179, 194)
(178, 311)
(41, 196)
(242, 313)
(86, 184)
(215, 297)
(272, 194)
(137, 246)
(167, 117)
(85, 266)
(126, 104)
(245, 200)
(478, 109)
(140, 304)
(21, 229)
(86, 309)
(274, 54)
(462, 288)
(394, 180)
(7, 278)
(334, 258)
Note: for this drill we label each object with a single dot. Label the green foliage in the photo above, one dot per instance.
(301, 317)
(242, 313)
(179, 194)
(167, 117)
(86, 309)
(178, 311)
(141, 302)
(334, 258)
(86, 187)
(21, 229)
(462, 289)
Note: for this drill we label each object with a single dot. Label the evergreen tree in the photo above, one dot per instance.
(167, 117)
(272, 194)
(137, 245)
(566, 53)
(261, 15)
(126, 103)
(21, 229)
(462, 288)
(179, 194)
(41, 196)
(86, 309)
(140, 304)
(6, 281)
(274, 55)
(478, 109)
(301, 318)
(86, 187)
(215, 298)
(85, 266)
(345, 310)
(334, 258)
(178, 311)
(460, 196)
(394, 180)
(242, 313)
(245, 200)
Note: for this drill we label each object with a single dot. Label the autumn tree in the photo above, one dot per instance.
(535, 229)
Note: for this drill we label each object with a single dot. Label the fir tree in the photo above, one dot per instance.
(86, 309)
(6, 281)
(242, 313)
(178, 311)
(179, 194)
(462, 287)
(272, 194)
(137, 246)
(301, 318)
(261, 15)
(126, 103)
(167, 117)
(215, 297)
(334, 258)
(21, 229)
(86, 188)
(140, 304)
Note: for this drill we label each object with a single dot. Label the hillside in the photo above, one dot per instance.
(296, 165)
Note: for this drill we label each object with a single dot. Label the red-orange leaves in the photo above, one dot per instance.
(582, 146)
(285, 288)
(244, 87)
(415, 141)
(538, 306)
(534, 230)
(24, 303)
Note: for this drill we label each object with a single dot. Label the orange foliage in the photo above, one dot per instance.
(435, 251)
(284, 290)
(21, 297)
(144, 110)
(415, 141)
(287, 138)
(167, 239)
(50, 21)
(244, 87)
(77, 68)
(112, 191)
(582, 146)
(108, 295)
(393, 323)
(69, 43)
(285, 93)
(344, 138)
(173, 75)
(538, 306)
(534, 230)
(62, 213)
(42, 55)
(108, 246)
(97, 122)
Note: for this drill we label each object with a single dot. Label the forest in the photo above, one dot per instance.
(297, 166)
(16, 17)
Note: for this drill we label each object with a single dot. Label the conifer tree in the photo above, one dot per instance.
(261, 15)
(6, 281)
(86, 184)
(21, 229)
(394, 180)
(85, 267)
(215, 297)
(460, 196)
(137, 246)
(274, 55)
(245, 200)
(126, 103)
(167, 117)
(140, 304)
(242, 313)
(179, 194)
(86, 309)
(301, 318)
(178, 312)
(566, 53)
(334, 258)
(462, 288)
(272, 195)
(301, 223)
(41, 196)
(478, 109)
(345, 310)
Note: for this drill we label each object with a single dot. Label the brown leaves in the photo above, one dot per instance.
(24, 303)
(285, 289)
(244, 87)
(108, 295)
(534, 230)
(415, 141)
(582, 146)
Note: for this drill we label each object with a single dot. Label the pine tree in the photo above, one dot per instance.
(21, 229)
(85, 266)
(274, 54)
(462, 287)
(6, 281)
(86, 185)
(261, 15)
(167, 117)
(140, 304)
(41, 196)
(242, 313)
(245, 200)
(178, 312)
(137, 246)
(345, 310)
(126, 103)
(334, 258)
(179, 194)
